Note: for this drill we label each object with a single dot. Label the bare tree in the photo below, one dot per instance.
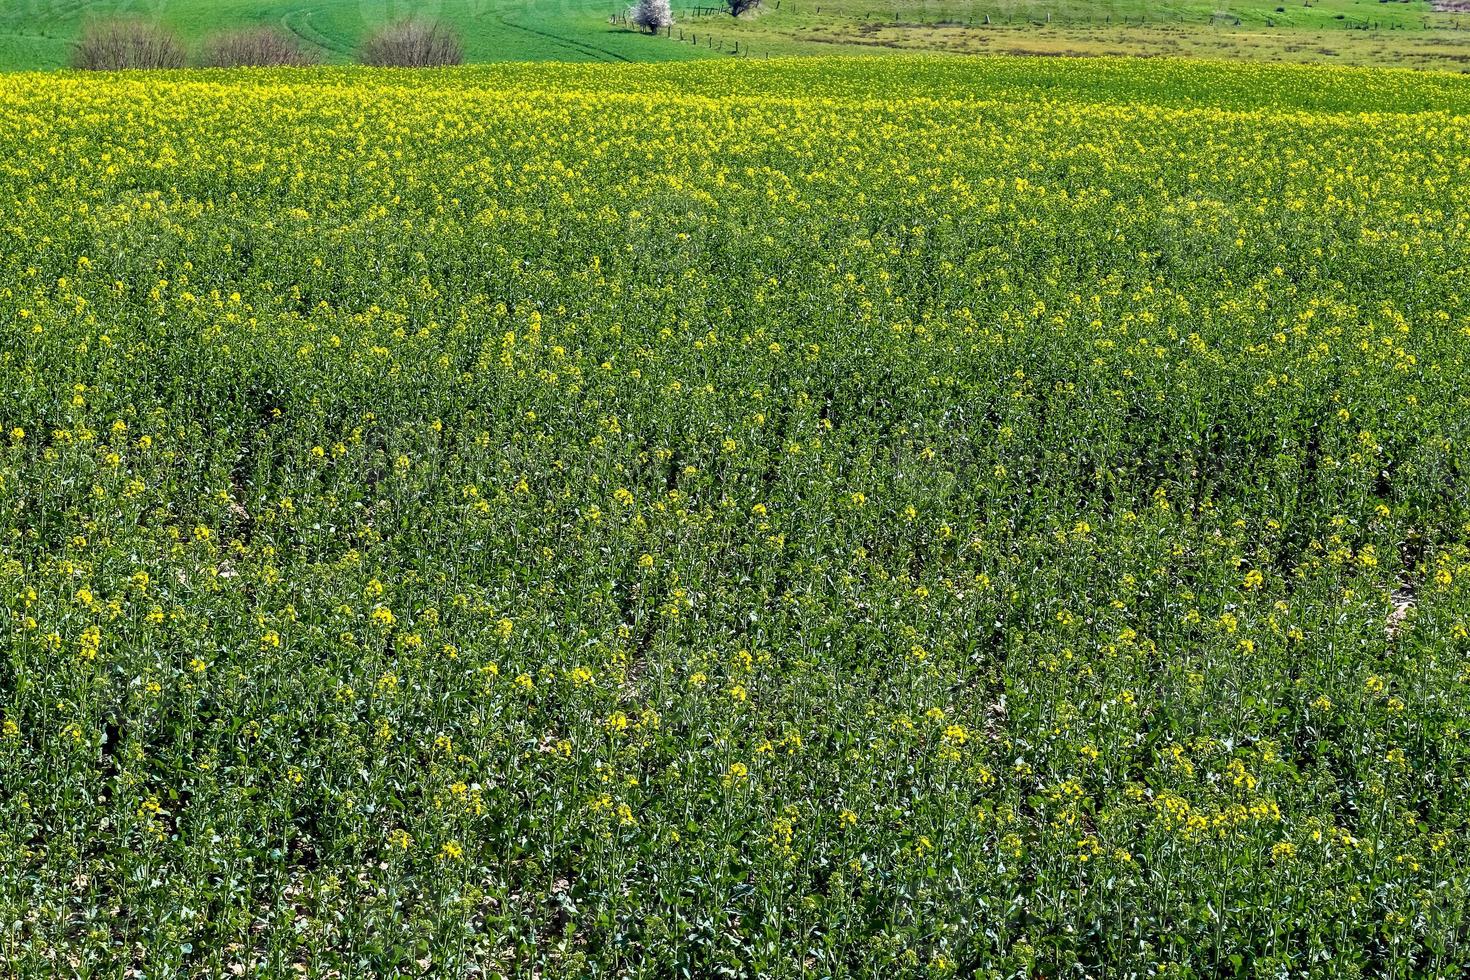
(121, 44)
(412, 44)
(651, 15)
(252, 46)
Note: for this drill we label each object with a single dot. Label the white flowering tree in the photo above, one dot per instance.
(651, 15)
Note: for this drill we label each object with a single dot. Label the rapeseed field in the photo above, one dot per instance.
(913, 518)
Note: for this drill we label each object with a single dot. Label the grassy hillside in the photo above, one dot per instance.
(36, 36)
(915, 518)
(37, 33)
(1348, 31)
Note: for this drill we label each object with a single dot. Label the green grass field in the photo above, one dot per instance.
(38, 33)
(1347, 31)
(818, 518)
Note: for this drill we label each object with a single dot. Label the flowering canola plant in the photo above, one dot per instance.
(831, 518)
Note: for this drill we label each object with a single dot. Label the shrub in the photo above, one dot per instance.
(651, 15)
(738, 7)
(123, 44)
(412, 44)
(255, 46)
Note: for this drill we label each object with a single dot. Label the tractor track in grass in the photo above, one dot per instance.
(298, 22)
(310, 34)
(582, 47)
